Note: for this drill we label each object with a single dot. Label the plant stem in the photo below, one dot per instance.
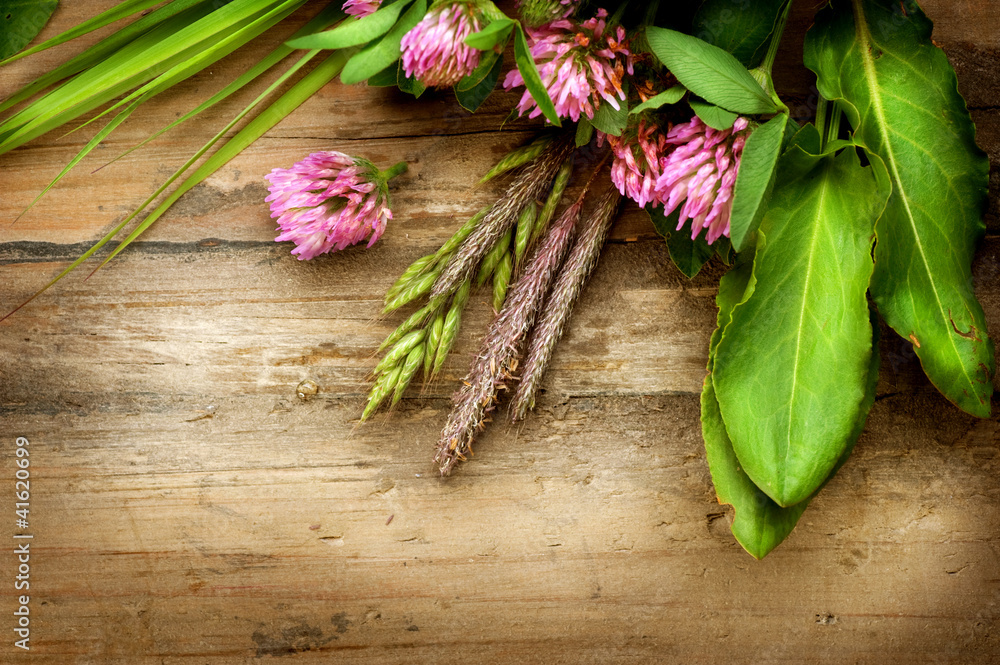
(762, 72)
(827, 120)
(821, 111)
(393, 171)
(772, 48)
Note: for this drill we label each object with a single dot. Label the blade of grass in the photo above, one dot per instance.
(284, 105)
(103, 49)
(227, 42)
(59, 98)
(327, 17)
(116, 13)
(271, 19)
(93, 143)
(139, 62)
(288, 102)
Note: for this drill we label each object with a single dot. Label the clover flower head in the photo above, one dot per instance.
(361, 8)
(581, 65)
(638, 153)
(536, 12)
(701, 171)
(435, 52)
(328, 201)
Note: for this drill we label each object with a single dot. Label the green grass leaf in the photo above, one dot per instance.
(101, 50)
(709, 72)
(790, 369)
(268, 118)
(227, 41)
(329, 15)
(118, 12)
(900, 94)
(139, 61)
(20, 21)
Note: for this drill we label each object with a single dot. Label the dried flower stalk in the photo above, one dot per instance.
(497, 358)
(526, 187)
(558, 306)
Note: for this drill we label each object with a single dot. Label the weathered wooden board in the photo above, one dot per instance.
(188, 507)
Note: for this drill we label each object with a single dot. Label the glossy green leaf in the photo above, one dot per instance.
(472, 98)
(377, 56)
(709, 72)
(609, 119)
(712, 115)
(900, 94)
(671, 95)
(495, 34)
(755, 179)
(20, 21)
(532, 79)
(759, 524)
(790, 369)
(354, 31)
(740, 27)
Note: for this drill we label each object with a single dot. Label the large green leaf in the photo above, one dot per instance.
(709, 72)
(742, 28)
(20, 21)
(759, 524)
(900, 94)
(790, 370)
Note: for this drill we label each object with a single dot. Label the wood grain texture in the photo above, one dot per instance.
(188, 507)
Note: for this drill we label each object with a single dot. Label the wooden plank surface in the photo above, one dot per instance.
(188, 507)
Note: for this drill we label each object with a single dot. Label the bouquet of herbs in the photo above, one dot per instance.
(871, 211)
